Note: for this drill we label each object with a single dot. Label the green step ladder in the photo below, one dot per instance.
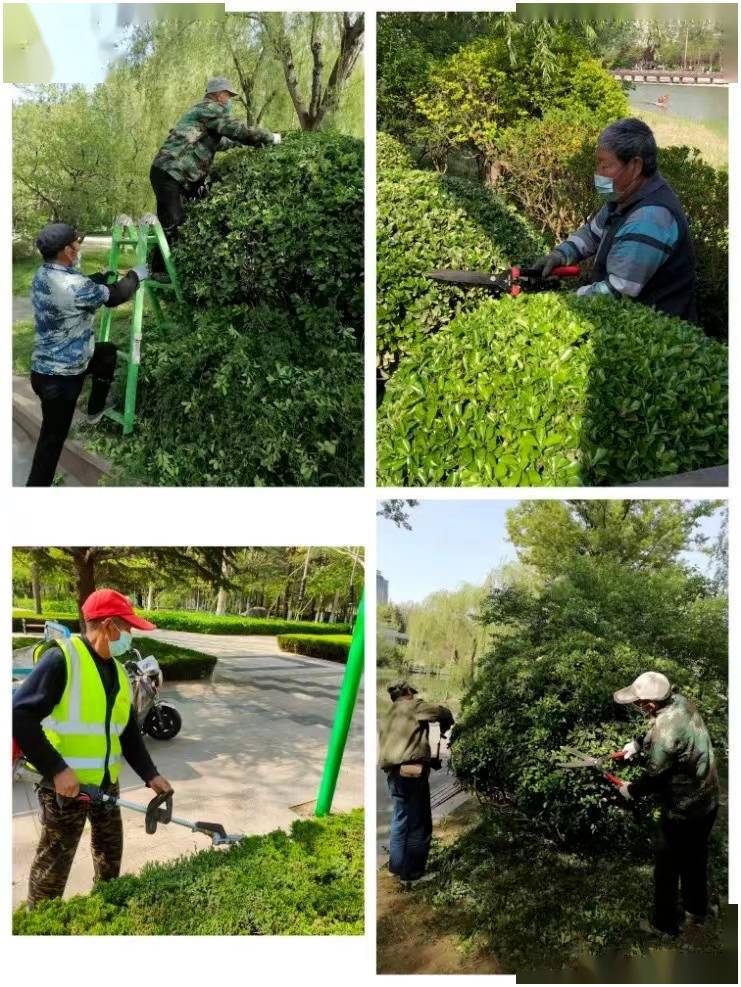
(142, 237)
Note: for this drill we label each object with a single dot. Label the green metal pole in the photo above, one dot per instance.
(343, 715)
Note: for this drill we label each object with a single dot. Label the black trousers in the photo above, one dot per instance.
(681, 863)
(171, 196)
(58, 397)
(411, 825)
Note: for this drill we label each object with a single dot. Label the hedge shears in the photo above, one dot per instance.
(159, 810)
(511, 282)
(581, 760)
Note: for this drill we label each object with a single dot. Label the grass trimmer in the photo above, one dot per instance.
(158, 811)
(511, 282)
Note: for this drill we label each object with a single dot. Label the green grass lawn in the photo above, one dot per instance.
(676, 131)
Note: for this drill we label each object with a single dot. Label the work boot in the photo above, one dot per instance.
(94, 417)
(713, 913)
(645, 925)
(418, 881)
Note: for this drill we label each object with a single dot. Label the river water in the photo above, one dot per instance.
(703, 104)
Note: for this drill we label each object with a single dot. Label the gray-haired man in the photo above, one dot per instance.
(639, 240)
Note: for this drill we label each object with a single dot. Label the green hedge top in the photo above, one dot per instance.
(555, 390)
(391, 153)
(427, 221)
(204, 623)
(334, 647)
(280, 223)
(307, 883)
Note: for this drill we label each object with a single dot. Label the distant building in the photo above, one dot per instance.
(382, 589)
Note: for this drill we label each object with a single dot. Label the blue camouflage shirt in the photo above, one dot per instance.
(64, 302)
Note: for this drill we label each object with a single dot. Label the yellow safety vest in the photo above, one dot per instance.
(76, 727)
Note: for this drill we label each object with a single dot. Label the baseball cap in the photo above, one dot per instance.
(55, 237)
(651, 686)
(220, 84)
(399, 689)
(104, 603)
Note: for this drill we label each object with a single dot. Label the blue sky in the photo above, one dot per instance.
(457, 541)
(79, 39)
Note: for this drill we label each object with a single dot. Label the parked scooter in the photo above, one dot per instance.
(156, 717)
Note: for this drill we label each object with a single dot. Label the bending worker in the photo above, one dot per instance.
(639, 240)
(405, 756)
(64, 302)
(74, 721)
(182, 164)
(681, 773)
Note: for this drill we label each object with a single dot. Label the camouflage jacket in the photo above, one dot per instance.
(207, 127)
(404, 731)
(64, 302)
(678, 747)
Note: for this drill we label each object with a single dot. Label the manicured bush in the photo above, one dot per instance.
(556, 390)
(307, 883)
(427, 221)
(391, 153)
(247, 397)
(333, 647)
(178, 664)
(203, 623)
(279, 224)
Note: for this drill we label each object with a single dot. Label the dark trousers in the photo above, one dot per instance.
(61, 829)
(411, 825)
(171, 197)
(681, 863)
(58, 397)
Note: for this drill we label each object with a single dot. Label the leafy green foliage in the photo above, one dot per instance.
(556, 390)
(307, 883)
(427, 221)
(334, 647)
(201, 623)
(280, 224)
(247, 397)
(178, 664)
(391, 153)
(558, 654)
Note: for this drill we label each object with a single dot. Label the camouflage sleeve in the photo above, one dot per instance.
(432, 713)
(220, 123)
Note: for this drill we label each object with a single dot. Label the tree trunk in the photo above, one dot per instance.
(221, 596)
(150, 597)
(84, 562)
(36, 583)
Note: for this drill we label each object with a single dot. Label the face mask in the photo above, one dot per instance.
(228, 105)
(605, 186)
(121, 646)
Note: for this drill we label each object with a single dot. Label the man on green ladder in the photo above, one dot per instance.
(182, 164)
(65, 352)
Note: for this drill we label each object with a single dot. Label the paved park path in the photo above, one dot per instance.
(251, 750)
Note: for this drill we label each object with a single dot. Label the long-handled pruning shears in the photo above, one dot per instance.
(581, 760)
(513, 281)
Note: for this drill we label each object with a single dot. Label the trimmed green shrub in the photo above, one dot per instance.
(333, 647)
(555, 390)
(427, 221)
(204, 623)
(279, 224)
(247, 397)
(307, 883)
(178, 664)
(391, 153)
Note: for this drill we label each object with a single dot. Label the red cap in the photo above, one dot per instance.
(104, 603)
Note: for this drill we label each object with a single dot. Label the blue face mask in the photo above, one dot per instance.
(121, 646)
(605, 186)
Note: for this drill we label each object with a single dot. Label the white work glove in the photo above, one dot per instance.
(630, 750)
(623, 789)
(276, 138)
(142, 271)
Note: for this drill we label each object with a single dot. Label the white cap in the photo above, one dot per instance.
(651, 686)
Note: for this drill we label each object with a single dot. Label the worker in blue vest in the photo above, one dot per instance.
(74, 720)
(639, 240)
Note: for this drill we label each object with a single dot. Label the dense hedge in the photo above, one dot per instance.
(307, 883)
(427, 221)
(201, 623)
(391, 153)
(279, 224)
(556, 390)
(334, 647)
